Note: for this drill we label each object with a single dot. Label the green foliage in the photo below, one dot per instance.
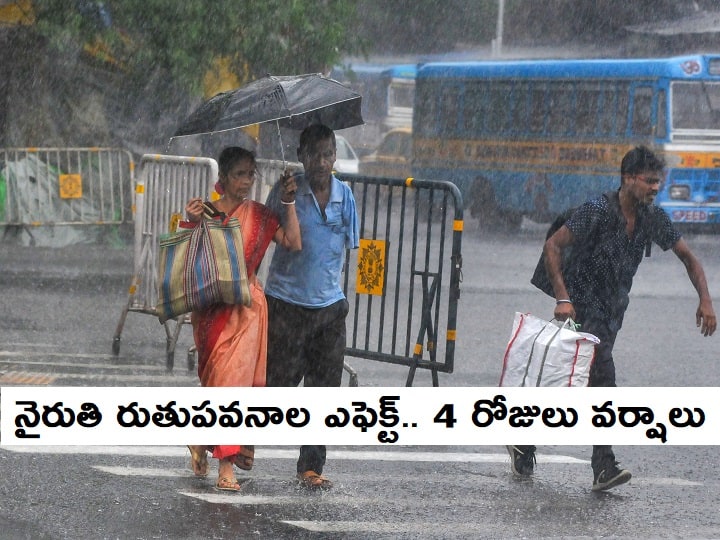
(183, 37)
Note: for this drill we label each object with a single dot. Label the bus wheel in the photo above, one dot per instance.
(483, 206)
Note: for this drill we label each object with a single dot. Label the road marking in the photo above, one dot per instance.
(43, 354)
(650, 481)
(150, 472)
(278, 453)
(240, 499)
(23, 344)
(454, 529)
(134, 367)
(24, 378)
(27, 378)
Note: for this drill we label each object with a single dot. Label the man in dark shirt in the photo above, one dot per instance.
(608, 236)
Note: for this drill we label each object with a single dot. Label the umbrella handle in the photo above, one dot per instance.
(282, 148)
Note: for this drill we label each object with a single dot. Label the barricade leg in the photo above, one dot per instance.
(172, 338)
(132, 291)
(353, 374)
(426, 327)
(192, 351)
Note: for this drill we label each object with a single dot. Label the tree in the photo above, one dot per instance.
(183, 38)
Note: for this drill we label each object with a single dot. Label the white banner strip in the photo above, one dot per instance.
(100, 416)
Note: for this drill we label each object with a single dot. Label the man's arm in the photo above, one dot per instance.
(553, 250)
(705, 315)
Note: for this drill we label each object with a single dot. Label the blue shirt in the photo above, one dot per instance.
(311, 277)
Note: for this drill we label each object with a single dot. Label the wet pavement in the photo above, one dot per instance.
(60, 311)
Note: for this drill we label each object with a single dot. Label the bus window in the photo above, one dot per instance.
(623, 99)
(426, 111)
(473, 107)
(607, 104)
(661, 128)
(562, 101)
(642, 111)
(695, 105)
(588, 109)
(499, 110)
(448, 110)
(519, 108)
(401, 96)
(538, 108)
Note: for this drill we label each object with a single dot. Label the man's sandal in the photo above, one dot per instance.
(245, 459)
(198, 460)
(313, 480)
(227, 484)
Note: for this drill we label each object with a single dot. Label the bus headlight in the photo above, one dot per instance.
(679, 192)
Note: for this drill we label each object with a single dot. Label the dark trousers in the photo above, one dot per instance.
(306, 345)
(602, 373)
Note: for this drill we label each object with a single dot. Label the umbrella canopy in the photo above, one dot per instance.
(293, 101)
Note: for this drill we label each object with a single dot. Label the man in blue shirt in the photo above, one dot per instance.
(608, 236)
(306, 303)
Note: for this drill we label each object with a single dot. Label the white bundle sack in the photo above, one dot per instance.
(547, 353)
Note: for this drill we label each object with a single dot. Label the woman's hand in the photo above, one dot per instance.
(289, 187)
(194, 209)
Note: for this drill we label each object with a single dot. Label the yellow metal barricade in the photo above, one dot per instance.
(166, 184)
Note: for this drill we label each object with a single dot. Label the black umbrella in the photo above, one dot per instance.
(292, 101)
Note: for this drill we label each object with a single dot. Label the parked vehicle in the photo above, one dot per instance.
(346, 160)
(388, 92)
(392, 159)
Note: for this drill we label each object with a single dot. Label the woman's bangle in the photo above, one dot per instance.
(563, 301)
(287, 203)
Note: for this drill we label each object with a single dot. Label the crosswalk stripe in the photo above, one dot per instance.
(26, 378)
(240, 499)
(651, 481)
(43, 354)
(42, 363)
(378, 527)
(279, 453)
(150, 472)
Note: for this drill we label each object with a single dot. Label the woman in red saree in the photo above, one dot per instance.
(231, 340)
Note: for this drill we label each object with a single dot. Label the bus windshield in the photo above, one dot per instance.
(696, 105)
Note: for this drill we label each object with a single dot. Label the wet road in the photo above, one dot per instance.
(60, 310)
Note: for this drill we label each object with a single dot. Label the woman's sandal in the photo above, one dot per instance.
(198, 460)
(245, 459)
(313, 480)
(227, 484)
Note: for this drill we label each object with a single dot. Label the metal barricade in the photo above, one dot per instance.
(65, 186)
(402, 284)
(166, 184)
(403, 271)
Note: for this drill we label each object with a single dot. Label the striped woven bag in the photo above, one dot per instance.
(200, 267)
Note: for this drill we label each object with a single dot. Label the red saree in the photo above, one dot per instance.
(231, 340)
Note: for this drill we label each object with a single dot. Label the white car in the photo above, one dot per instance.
(346, 160)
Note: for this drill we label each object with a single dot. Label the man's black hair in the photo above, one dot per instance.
(316, 132)
(639, 160)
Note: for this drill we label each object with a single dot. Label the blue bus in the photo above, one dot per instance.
(388, 96)
(532, 138)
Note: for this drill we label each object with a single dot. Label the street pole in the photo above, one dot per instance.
(497, 42)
